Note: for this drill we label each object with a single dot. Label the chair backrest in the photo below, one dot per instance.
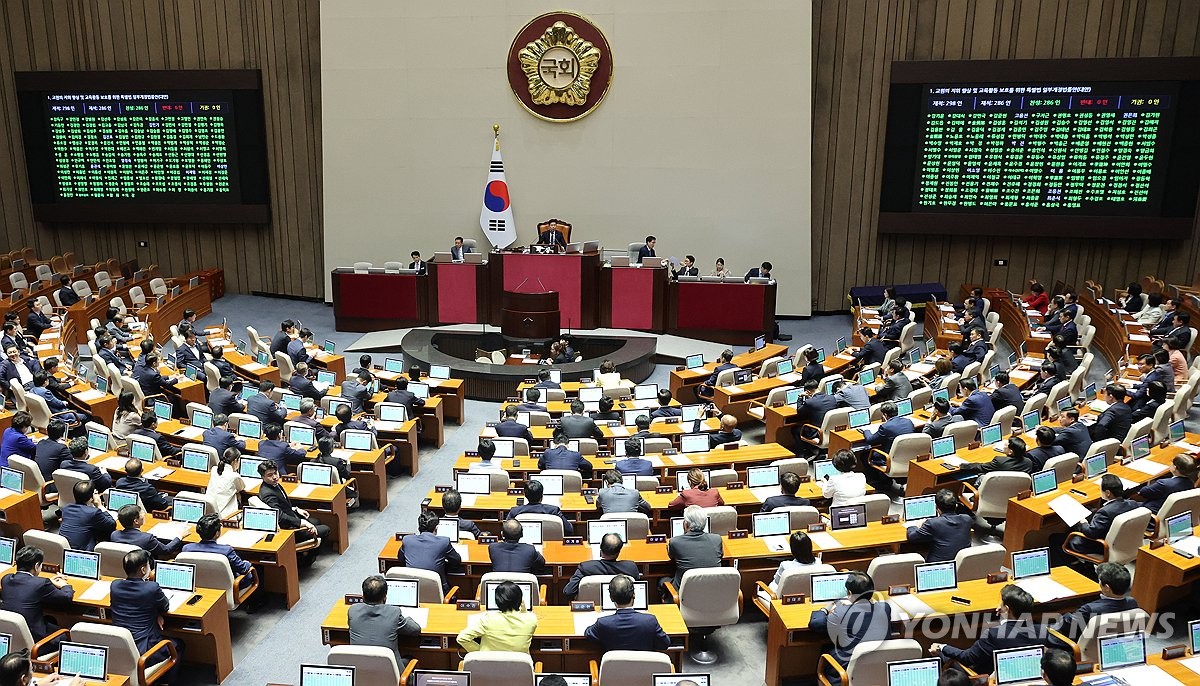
(158, 286)
(868, 662)
(51, 544)
(18, 280)
(122, 651)
(498, 481)
(372, 664)
(795, 465)
(972, 370)
(951, 382)
(82, 288)
(512, 576)
(588, 446)
(633, 666)
(31, 475)
(499, 668)
(877, 504)
(1059, 391)
(1108, 446)
(1004, 417)
(647, 483)
(995, 489)
(137, 296)
(994, 336)
(64, 481)
(798, 579)
(429, 583)
(637, 525)
(1160, 425)
(1109, 624)
(1138, 429)
(904, 449)
(590, 587)
(362, 267)
(17, 392)
(770, 366)
(1173, 505)
(800, 516)
(710, 596)
(539, 418)
(392, 267)
(15, 625)
(976, 562)
(721, 477)
(102, 279)
(212, 571)
(963, 433)
(721, 519)
(921, 396)
(1035, 402)
(894, 570)
(1126, 534)
(1064, 466)
(112, 557)
(286, 368)
(908, 336)
(634, 248)
(725, 378)
(552, 525)
(39, 412)
(498, 357)
(656, 445)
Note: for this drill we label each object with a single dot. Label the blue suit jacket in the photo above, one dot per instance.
(888, 432)
(639, 466)
(1040, 456)
(297, 351)
(1006, 635)
(977, 407)
(85, 525)
(1074, 623)
(279, 343)
(222, 439)
(223, 401)
(1074, 438)
(185, 356)
(946, 535)
(977, 350)
(148, 542)
(562, 457)
(151, 497)
(137, 605)
(628, 629)
(150, 380)
(266, 410)
(53, 402)
(236, 563)
(14, 442)
(516, 557)
(1007, 395)
(514, 429)
(304, 387)
(27, 594)
(542, 508)
(813, 410)
(1097, 525)
(49, 456)
(100, 478)
(429, 551)
(283, 455)
(1156, 492)
(111, 357)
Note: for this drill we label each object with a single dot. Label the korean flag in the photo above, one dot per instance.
(496, 217)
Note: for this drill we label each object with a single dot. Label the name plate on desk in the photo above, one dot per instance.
(899, 589)
(731, 446)
(671, 420)
(491, 425)
(922, 457)
(1024, 495)
(814, 528)
(735, 485)
(1174, 652)
(806, 479)
(572, 540)
(983, 679)
(1077, 478)
(793, 599)
(353, 598)
(589, 491)
(656, 538)
(467, 606)
(157, 514)
(516, 491)
(973, 445)
(401, 534)
(288, 478)
(604, 453)
(485, 539)
(670, 451)
(50, 568)
(738, 533)
(471, 453)
(583, 606)
(890, 519)
(664, 489)
(42, 667)
(441, 489)
(174, 464)
(997, 577)
(1157, 543)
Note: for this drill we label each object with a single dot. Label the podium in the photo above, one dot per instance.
(529, 316)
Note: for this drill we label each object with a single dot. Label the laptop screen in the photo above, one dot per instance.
(118, 498)
(866, 377)
(1140, 447)
(316, 474)
(793, 396)
(640, 599)
(176, 576)
(681, 679)
(693, 443)
(784, 367)
(81, 564)
(1064, 404)
(448, 528)
(330, 346)
(249, 429)
(392, 412)
(943, 446)
(1194, 633)
(335, 403)
(393, 365)
(291, 401)
(1030, 421)
(936, 576)
(402, 592)
(322, 675)
(758, 477)
(552, 484)
(83, 660)
(904, 407)
(248, 466)
(848, 516)
(590, 394)
(531, 533)
(1179, 525)
(263, 358)
(187, 510)
(770, 524)
(260, 519)
(421, 390)
(630, 417)
(568, 679)
(823, 469)
(1033, 562)
(304, 435)
(439, 371)
(248, 392)
(1122, 650)
(12, 479)
(690, 413)
(162, 410)
(1089, 392)
(504, 448)
(820, 355)
(202, 420)
(1095, 465)
(479, 484)
(1012, 360)
(914, 672)
(1045, 481)
(8, 548)
(489, 593)
(919, 507)
(97, 440)
(694, 361)
(648, 391)
(943, 393)
(760, 342)
(914, 355)
(1017, 664)
(102, 384)
(598, 528)
(859, 418)
(1177, 431)
(141, 450)
(827, 587)
(429, 677)
(195, 460)
(990, 434)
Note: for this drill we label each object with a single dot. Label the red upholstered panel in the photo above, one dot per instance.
(633, 297)
(456, 293)
(378, 296)
(723, 306)
(542, 273)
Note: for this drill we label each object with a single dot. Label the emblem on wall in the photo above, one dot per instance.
(559, 67)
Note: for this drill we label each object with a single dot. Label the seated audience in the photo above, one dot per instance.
(608, 564)
(511, 555)
(627, 628)
(374, 622)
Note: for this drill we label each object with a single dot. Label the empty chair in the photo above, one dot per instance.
(1059, 391)
(963, 432)
(552, 525)
(877, 505)
(1109, 446)
(1108, 624)
(868, 662)
(637, 525)
(1138, 429)
(18, 281)
(499, 668)
(372, 664)
(707, 599)
(631, 667)
(392, 267)
(123, 656)
(721, 519)
(102, 279)
(995, 488)
(904, 449)
(15, 626)
(795, 465)
(43, 272)
(1064, 466)
(590, 587)
(286, 369)
(52, 545)
(1122, 542)
(1160, 425)
(718, 478)
(894, 570)
(429, 584)
(1004, 417)
(1035, 402)
(82, 288)
(158, 286)
(137, 297)
(656, 445)
(921, 396)
(800, 516)
(213, 571)
(978, 561)
(112, 556)
(537, 418)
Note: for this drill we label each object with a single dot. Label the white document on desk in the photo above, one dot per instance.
(190, 432)
(302, 491)
(825, 540)
(169, 530)
(420, 615)
(1144, 675)
(953, 460)
(1141, 337)
(732, 389)
(254, 367)
(678, 460)
(88, 395)
(1192, 663)
(909, 606)
(1188, 544)
(776, 543)
(1186, 446)
(96, 592)
(764, 492)
(463, 551)
(619, 431)
(1125, 483)
(1147, 466)
(160, 473)
(468, 499)
(343, 454)
(114, 464)
(1043, 588)
(240, 538)
(1069, 509)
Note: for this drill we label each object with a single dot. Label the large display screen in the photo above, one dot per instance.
(1062, 155)
(144, 146)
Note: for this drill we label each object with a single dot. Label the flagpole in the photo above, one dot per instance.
(496, 130)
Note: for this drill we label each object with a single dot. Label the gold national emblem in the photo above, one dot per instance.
(560, 65)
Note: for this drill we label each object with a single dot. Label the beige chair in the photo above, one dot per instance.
(1138, 429)
(286, 369)
(800, 516)
(971, 371)
(137, 297)
(708, 599)
(112, 556)
(951, 383)
(1064, 466)
(213, 571)
(921, 397)
(158, 286)
(877, 504)
(995, 488)
(538, 418)
(392, 267)
(622, 667)
(499, 668)
(794, 581)
(552, 525)
(17, 392)
(64, 481)
(904, 449)
(1176, 503)
(1036, 402)
(498, 481)
(656, 445)
(648, 483)
(15, 626)
(362, 267)
(591, 586)
(963, 432)
(868, 662)
(1058, 391)
(1160, 427)
(372, 664)
(498, 357)
(1123, 539)
(833, 418)
(82, 288)
(102, 279)
(1109, 446)
(429, 584)
(775, 398)
(538, 598)
(43, 272)
(588, 446)
(1086, 649)
(721, 519)
(770, 367)
(637, 525)
(123, 656)
(1004, 417)
(572, 479)
(977, 562)
(18, 281)
(894, 570)
(718, 478)
(31, 479)
(796, 465)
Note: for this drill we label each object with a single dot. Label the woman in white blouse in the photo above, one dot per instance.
(847, 485)
(127, 418)
(802, 556)
(225, 483)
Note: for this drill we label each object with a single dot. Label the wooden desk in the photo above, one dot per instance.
(112, 680)
(684, 382)
(20, 512)
(612, 434)
(928, 476)
(737, 399)
(556, 643)
(847, 438)
(1163, 577)
(249, 368)
(161, 320)
(793, 650)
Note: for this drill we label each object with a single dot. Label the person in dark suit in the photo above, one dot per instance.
(633, 462)
(303, 386)
(562, 457)
(579, 425)
(1114, 580)
(940, 417)
(811, 408)
(873, 350)
(1115, 421)
(100, 479)
(1139, 394)
(959, 360)
(139, 605)
(401, 395)
(947, 533)
(458, 251)
(282, 338)
(531, 403)
(421, 266)
(1013, 459)
(426, 550)
(615, 497)
(1046, 381)
(58, 407)
(285, 455)
(647, 250)
(664, 408)
(26, 592)
(762, 271)
(152, 498)
(687, 267)
(222, 400)
(977, 405)
(1096, 526)
(724, 361)
(1067, 328)
(978, 348)
(191, 353)
(67, 295)
(605, 412)
(627, 628)
(150, 430)
(297, 348)
(813, 370)
(892, 428)
(789, 484)
(534, 505)
(1072, 435)
(1182, 477)
(509, 427)
(729, 432)
(357, 390)
(342, 466)
(51, 452)
(208, 528)
(308, 411)
(1006, 394)
(131, 533)
(511, 555)
(891, 332)
(642, 424)
(150, 379)
(220, 437)
(218, 360)
(375, 623)
(17, 367)
(345, 422)
(544, 380)
(1015, 630)
(290, 517)
(85, 521)
(263, 408)
(854, 618)
(896, 386)
(552, 235)
(107, 350)
(608, 564)
(1045, 449)
(695, 549)
(451, 504)
(1156, 397)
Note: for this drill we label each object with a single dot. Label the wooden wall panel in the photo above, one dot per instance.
(280, 37)
(856, 41)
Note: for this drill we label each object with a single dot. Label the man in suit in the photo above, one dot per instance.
(152, 498)
(977, 405)
(208, 528)
(729, 432)
(695, 549)
(811, 408)
(1114, 580)
(139, 605)
(131, 533)
(218, 360)
(375, 623)
(421, 266)
(633, 462)
(552, 235)
(762, 271)
(972, 318)
(51, 452)
(345, 422)
(223, 400)
(647, 250)
(486, 450)
(627, 628)
(562, 457)
(534, 505)
(1067, 328)
(285, 455)
(1139, 394)
(308, 411)
(579, 425)
(282, 337)
(1047, 380)
(511, 555)
(459, 251)
(896, 386)
(357, 390)
(297, 348)
(544, 380)
(99, 478)
(977, 349)
(1013, 459)
(37, 322)
(1096, 526)
(27, 593)
(724, 361)
(401, 395)
(290, 517)
(891, 428)
(115, 325)
(85, 522)
(303, 386)
(220, 437)
(531, 403)
(615, 497)
(664, 408)
(1179, 334)
(191, 353)
(789, 484)
(509, 427)
(1006, 394)
(17, 367)
(150, 379)
(687, 267)
(426, 550)
(451, 504)
(263, 408)
(1072, 435)
(851, 395)
(1115, 421)
(1182, 477)
(642, 424)
(947, 533)
(1046, 448)
(150, 430)
(940, 418)
(873, 350)
(607, 565)
(108, 352)
(67, 295)
(1014, 631)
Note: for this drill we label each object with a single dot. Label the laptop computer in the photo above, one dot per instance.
(393, 365)
(866, 377)
(590, 394)
(1122, 650)
(918, 508)
(1140, 447)
(991, 435)
(647, 391)
(1194, 634)
(355, 439)
(97, 441)
(762, 477)
(162, 410)
(249, 429)
(83, 660)
(248, 466)
(448, 528)
(640, 598)
(943, 393)
(823, 469)
(12, 480)
(848, 516)
(141, 448)
(1179, 526)
(316, 474)
(678, 526)
(630, 417)
(260, 519)
(195, 460)
(922, 672)
(693, 443)
(304, 435)
(693, 361)
(187, 510)
(828, 587)
(8, 551)
(1018, 665)
(764, 524)
(478, 484)
(402, 592)
(439, 371)
(531, 533)
(597, 529)
(437, 677)
(421, 390)
(859, 418)
(943, 446)
(118, 498)
(1044, 481)
(326, 377)
(291, 401)
(1030, 421)
(81, 564)
(935, 576)
(326, 675)
(691, 413)
(904, 407)
(202, 420)
(552, 484)
(1095, 466)
(1178, 433)
(1030, 563)
(681, 478)
(760, 342)
(568, 679)
(177, 579)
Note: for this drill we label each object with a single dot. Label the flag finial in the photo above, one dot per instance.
(496, 130)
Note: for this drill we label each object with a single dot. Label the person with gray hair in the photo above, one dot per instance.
(374, 622)
(616, 497)
(695, 549)
(308, 412)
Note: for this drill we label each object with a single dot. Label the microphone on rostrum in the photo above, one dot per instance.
(518, 288)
